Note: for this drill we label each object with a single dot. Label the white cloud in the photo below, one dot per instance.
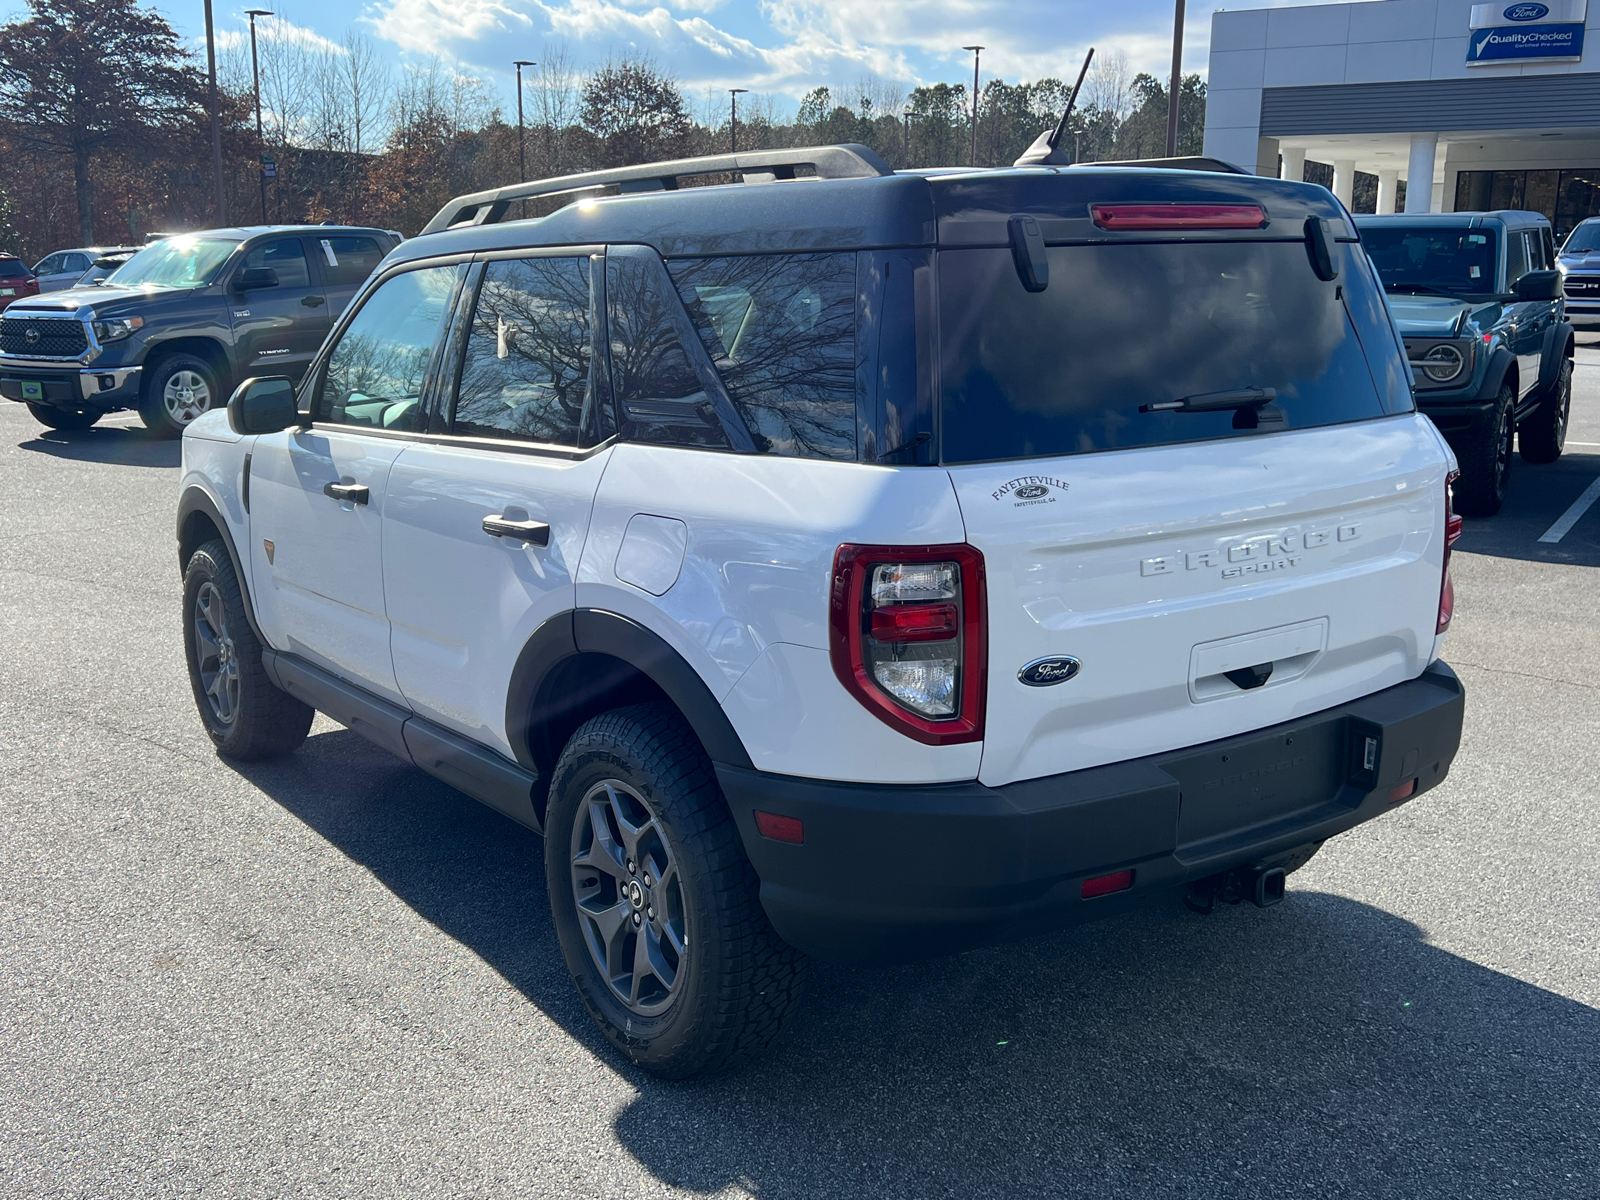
(276, 29)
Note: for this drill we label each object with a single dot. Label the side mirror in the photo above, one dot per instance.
(263, 404)
(1538, 285)
(253, 279)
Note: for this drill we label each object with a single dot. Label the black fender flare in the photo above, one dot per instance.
(195, 499)
(1559, 345)
(1501, 361)
(533, 699)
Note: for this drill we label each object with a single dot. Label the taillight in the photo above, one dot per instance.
(1452, 531)
(909, 637)
(1178, 216)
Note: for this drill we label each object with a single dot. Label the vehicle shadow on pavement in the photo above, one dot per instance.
(1322, 1045)
(119, 445)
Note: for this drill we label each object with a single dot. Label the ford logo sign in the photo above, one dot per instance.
(1046, 672)
(1527, 12)
(1032, 492)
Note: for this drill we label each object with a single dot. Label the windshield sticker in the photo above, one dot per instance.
(1027, 490)
(327, 252)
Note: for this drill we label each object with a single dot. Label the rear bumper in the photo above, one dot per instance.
(895, 872)
(71, 386)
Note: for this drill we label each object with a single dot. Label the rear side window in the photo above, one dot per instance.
(780, 330)
(348, 260)
(526, 371)
(1066, 370)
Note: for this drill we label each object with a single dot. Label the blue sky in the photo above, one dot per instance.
(777, 47)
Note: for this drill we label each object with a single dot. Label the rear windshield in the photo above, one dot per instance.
(13, 268)
(1065, 370)
(1451, 261)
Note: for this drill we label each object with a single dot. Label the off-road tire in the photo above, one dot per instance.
(265, 722)
(154, 408)
(62, 418)
(737, 981)
(1543, 434)
(1486, 462)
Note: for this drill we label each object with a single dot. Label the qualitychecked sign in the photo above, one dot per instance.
(1526, 29)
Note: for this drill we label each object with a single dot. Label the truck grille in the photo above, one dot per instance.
(43, 337)
(1585, 286)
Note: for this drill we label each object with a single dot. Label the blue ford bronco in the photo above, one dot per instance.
(1478, 301)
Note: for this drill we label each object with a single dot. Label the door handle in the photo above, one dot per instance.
(536, 532)
(355, 493)
(312, 301)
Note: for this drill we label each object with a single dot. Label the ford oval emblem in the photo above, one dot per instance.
(1032, 492)
(1527, 12)
(1046, 672)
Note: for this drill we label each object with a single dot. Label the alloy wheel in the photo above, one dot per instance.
(629, 894)
(186, 396)
(216, 657)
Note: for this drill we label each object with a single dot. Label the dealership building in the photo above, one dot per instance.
(1473, 106)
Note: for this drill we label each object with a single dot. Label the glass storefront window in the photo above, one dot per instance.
(1565, 197)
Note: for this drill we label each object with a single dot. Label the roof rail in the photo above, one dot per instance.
(1192, 162)
(850, 161)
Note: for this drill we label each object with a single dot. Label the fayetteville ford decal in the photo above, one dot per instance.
(1026, 490)
(1254, 556)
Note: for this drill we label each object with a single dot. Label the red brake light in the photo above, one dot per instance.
(1452, 531)
(909, 637)
(1178, 216)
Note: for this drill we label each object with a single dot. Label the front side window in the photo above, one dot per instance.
(48, 266)
(348, 260)
(526, 370)
(1451, 261)
(780, 329)
(285, 258)
(376, 371)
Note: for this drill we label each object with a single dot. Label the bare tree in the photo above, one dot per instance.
(367, 88)
(1109, 87)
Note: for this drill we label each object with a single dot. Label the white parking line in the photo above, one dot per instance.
(1570, 518)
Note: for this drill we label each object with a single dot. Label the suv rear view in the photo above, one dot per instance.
(848, 563)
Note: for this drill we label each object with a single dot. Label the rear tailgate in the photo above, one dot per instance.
(1161, 570)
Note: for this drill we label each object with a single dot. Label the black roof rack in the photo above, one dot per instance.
(1193, 162)
(850, 161)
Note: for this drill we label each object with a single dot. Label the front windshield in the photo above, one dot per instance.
(1410, 258)
(1583, 239)
(176, 263)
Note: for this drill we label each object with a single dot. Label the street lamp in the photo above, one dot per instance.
(255, 73)
(522, 141)
(976, 52)
(733, 117)
(1177, 64)
(211, 104)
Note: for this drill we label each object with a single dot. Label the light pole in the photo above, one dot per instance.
(522, 141)
(1177, 65)
(255, 74)
(211, 103)
(733, 117)
(976, 53)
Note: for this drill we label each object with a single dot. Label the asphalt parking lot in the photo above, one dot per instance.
(333, 976)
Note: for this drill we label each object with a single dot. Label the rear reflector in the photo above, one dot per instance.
(1178, 216)
(1404, 792)
(781, 829)
(915, 623)
(1104, 885)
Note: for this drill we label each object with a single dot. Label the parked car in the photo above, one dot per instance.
(865, 565)
(105, 263)
(16, 280)
(1579, 263)
(1478, 301)
(64, 268)
(173, 328)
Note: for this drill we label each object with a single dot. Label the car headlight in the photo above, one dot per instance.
(1441, 362)
(115, 328)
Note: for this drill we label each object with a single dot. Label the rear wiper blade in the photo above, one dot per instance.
(1253, 397)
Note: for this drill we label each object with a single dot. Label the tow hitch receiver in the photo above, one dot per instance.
(1262, 886)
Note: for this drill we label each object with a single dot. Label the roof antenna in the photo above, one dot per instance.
(1043, 150)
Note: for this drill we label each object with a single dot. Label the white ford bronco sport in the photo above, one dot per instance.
(834, 561)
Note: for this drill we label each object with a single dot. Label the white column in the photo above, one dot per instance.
(1419, 172)
(1388, 188)
(1344, 180)
(1294, 163)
